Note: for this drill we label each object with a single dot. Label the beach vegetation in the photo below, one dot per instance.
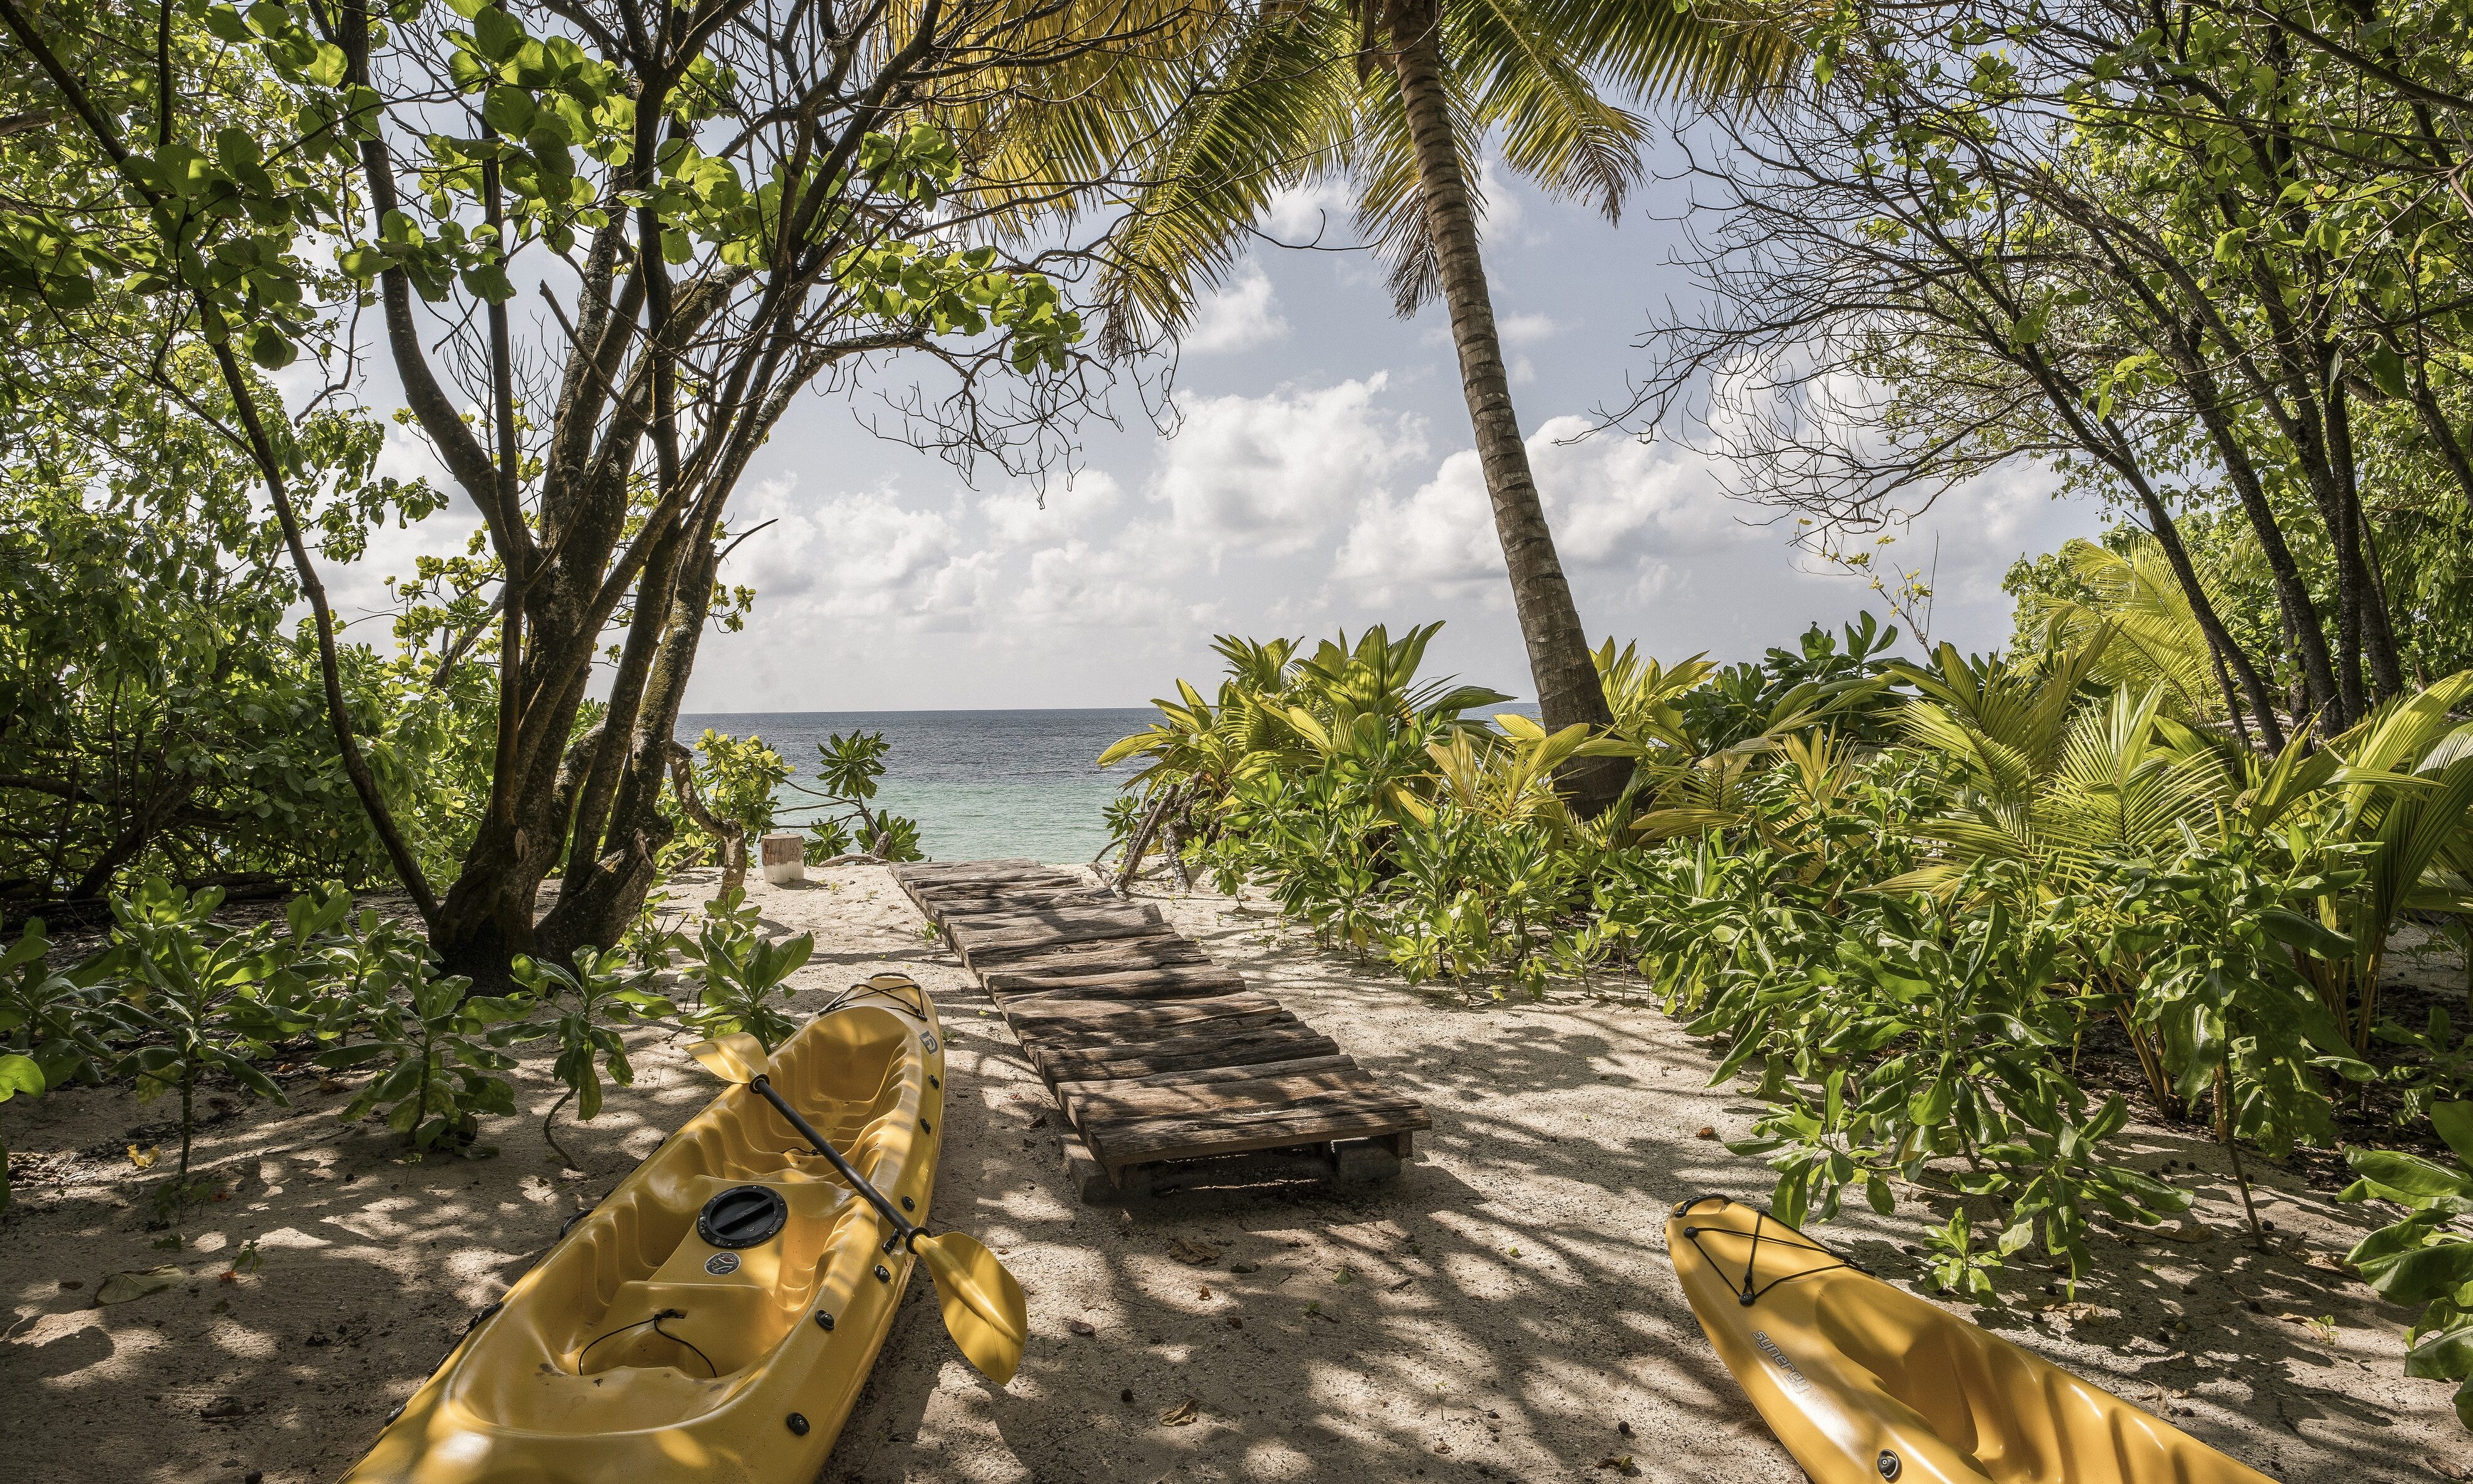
(739, 972)
(229, 194)
(849, 767)
(2427, 1258)
(581, 1010)
(1903, 947)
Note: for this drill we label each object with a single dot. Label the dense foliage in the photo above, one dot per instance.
(183, 1000)
(1904, 900)
(722, 211)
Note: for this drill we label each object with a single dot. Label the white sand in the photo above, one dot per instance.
(1499, 1313)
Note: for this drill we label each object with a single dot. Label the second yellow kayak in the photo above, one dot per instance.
(1868, 1384)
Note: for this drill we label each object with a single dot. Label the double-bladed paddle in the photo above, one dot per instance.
(983, 1306)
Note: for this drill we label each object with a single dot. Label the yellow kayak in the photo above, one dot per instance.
(1866, 1383)
(715, 1317)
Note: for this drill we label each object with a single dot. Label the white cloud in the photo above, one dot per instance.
(1242, 314)
(1271, 474)
(1613, 504)
(1438, 540)
(1026, 516)
(1525, 329)
(1319, 213)
(860, 555)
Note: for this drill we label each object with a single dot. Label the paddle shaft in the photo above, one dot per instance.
(903, 1228)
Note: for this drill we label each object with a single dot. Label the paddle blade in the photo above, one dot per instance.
(983, 1304)
(736, 1057)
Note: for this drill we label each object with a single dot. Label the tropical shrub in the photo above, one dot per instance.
(581, 1010)
(197, 998)
(736, 970)
(848, 769)
(50, 1016)
(2427, 1258)
(17, 1074)
(435, 1048)
(1902, 898)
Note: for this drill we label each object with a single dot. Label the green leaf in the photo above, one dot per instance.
(2444, 1356)
(19, 1074)
(267, 345)
(2455, 1124)
(2430, 1272)
(496, 34)
(327, 68)
(508, 109)
(488, 282)
(2409, 1174)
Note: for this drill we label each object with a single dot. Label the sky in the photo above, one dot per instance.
(1319, 475)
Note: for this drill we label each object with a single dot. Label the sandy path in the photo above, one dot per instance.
(1502, 1312)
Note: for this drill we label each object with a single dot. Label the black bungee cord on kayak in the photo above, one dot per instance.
(1748, 1295)
(655, 1323)
(916, 1010)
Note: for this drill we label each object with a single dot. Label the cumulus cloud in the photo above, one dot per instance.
(1271, 474)
(861, 555)
(1525, 329)
(1615, 504)
(1310, 213)
(1244, 313)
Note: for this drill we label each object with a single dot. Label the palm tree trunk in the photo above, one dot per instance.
(1568, 689)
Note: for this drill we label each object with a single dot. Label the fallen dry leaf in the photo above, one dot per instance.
(1195, 1253)
(1620, 1463)
(1180, 1414)
(143, 1158)
(121, 1287)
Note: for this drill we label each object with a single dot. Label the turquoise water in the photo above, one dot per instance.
(981, 784)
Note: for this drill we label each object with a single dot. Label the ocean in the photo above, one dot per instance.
(981, 784)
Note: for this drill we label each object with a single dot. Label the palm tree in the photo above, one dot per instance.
(1392, 97)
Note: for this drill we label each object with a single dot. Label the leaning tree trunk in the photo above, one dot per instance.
(1567, 688)
(595, 906)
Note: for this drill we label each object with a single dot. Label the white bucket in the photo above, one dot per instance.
(785, 858)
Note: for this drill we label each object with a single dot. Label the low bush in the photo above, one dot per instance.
(1903, 899)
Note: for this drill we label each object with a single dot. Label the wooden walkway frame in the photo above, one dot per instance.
(1169, 1069)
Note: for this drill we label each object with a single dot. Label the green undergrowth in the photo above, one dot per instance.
(1905, 900)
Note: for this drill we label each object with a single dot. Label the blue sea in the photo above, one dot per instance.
(981, 784)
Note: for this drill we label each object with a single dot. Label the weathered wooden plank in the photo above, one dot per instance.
(1132, 1039)
(1203, 1095)
(1184, 981)
(991, 873)
(1019, 918)
(1286, 1042)
(1007, 885)
(980, 947)
(1333, 1116)
(972, 901)
(930, 870)
(1336, 1062)
(1123, 1102)
(1105, 957)
(1043, 1015)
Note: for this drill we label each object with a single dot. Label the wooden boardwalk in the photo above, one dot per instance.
(1157, 1056)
